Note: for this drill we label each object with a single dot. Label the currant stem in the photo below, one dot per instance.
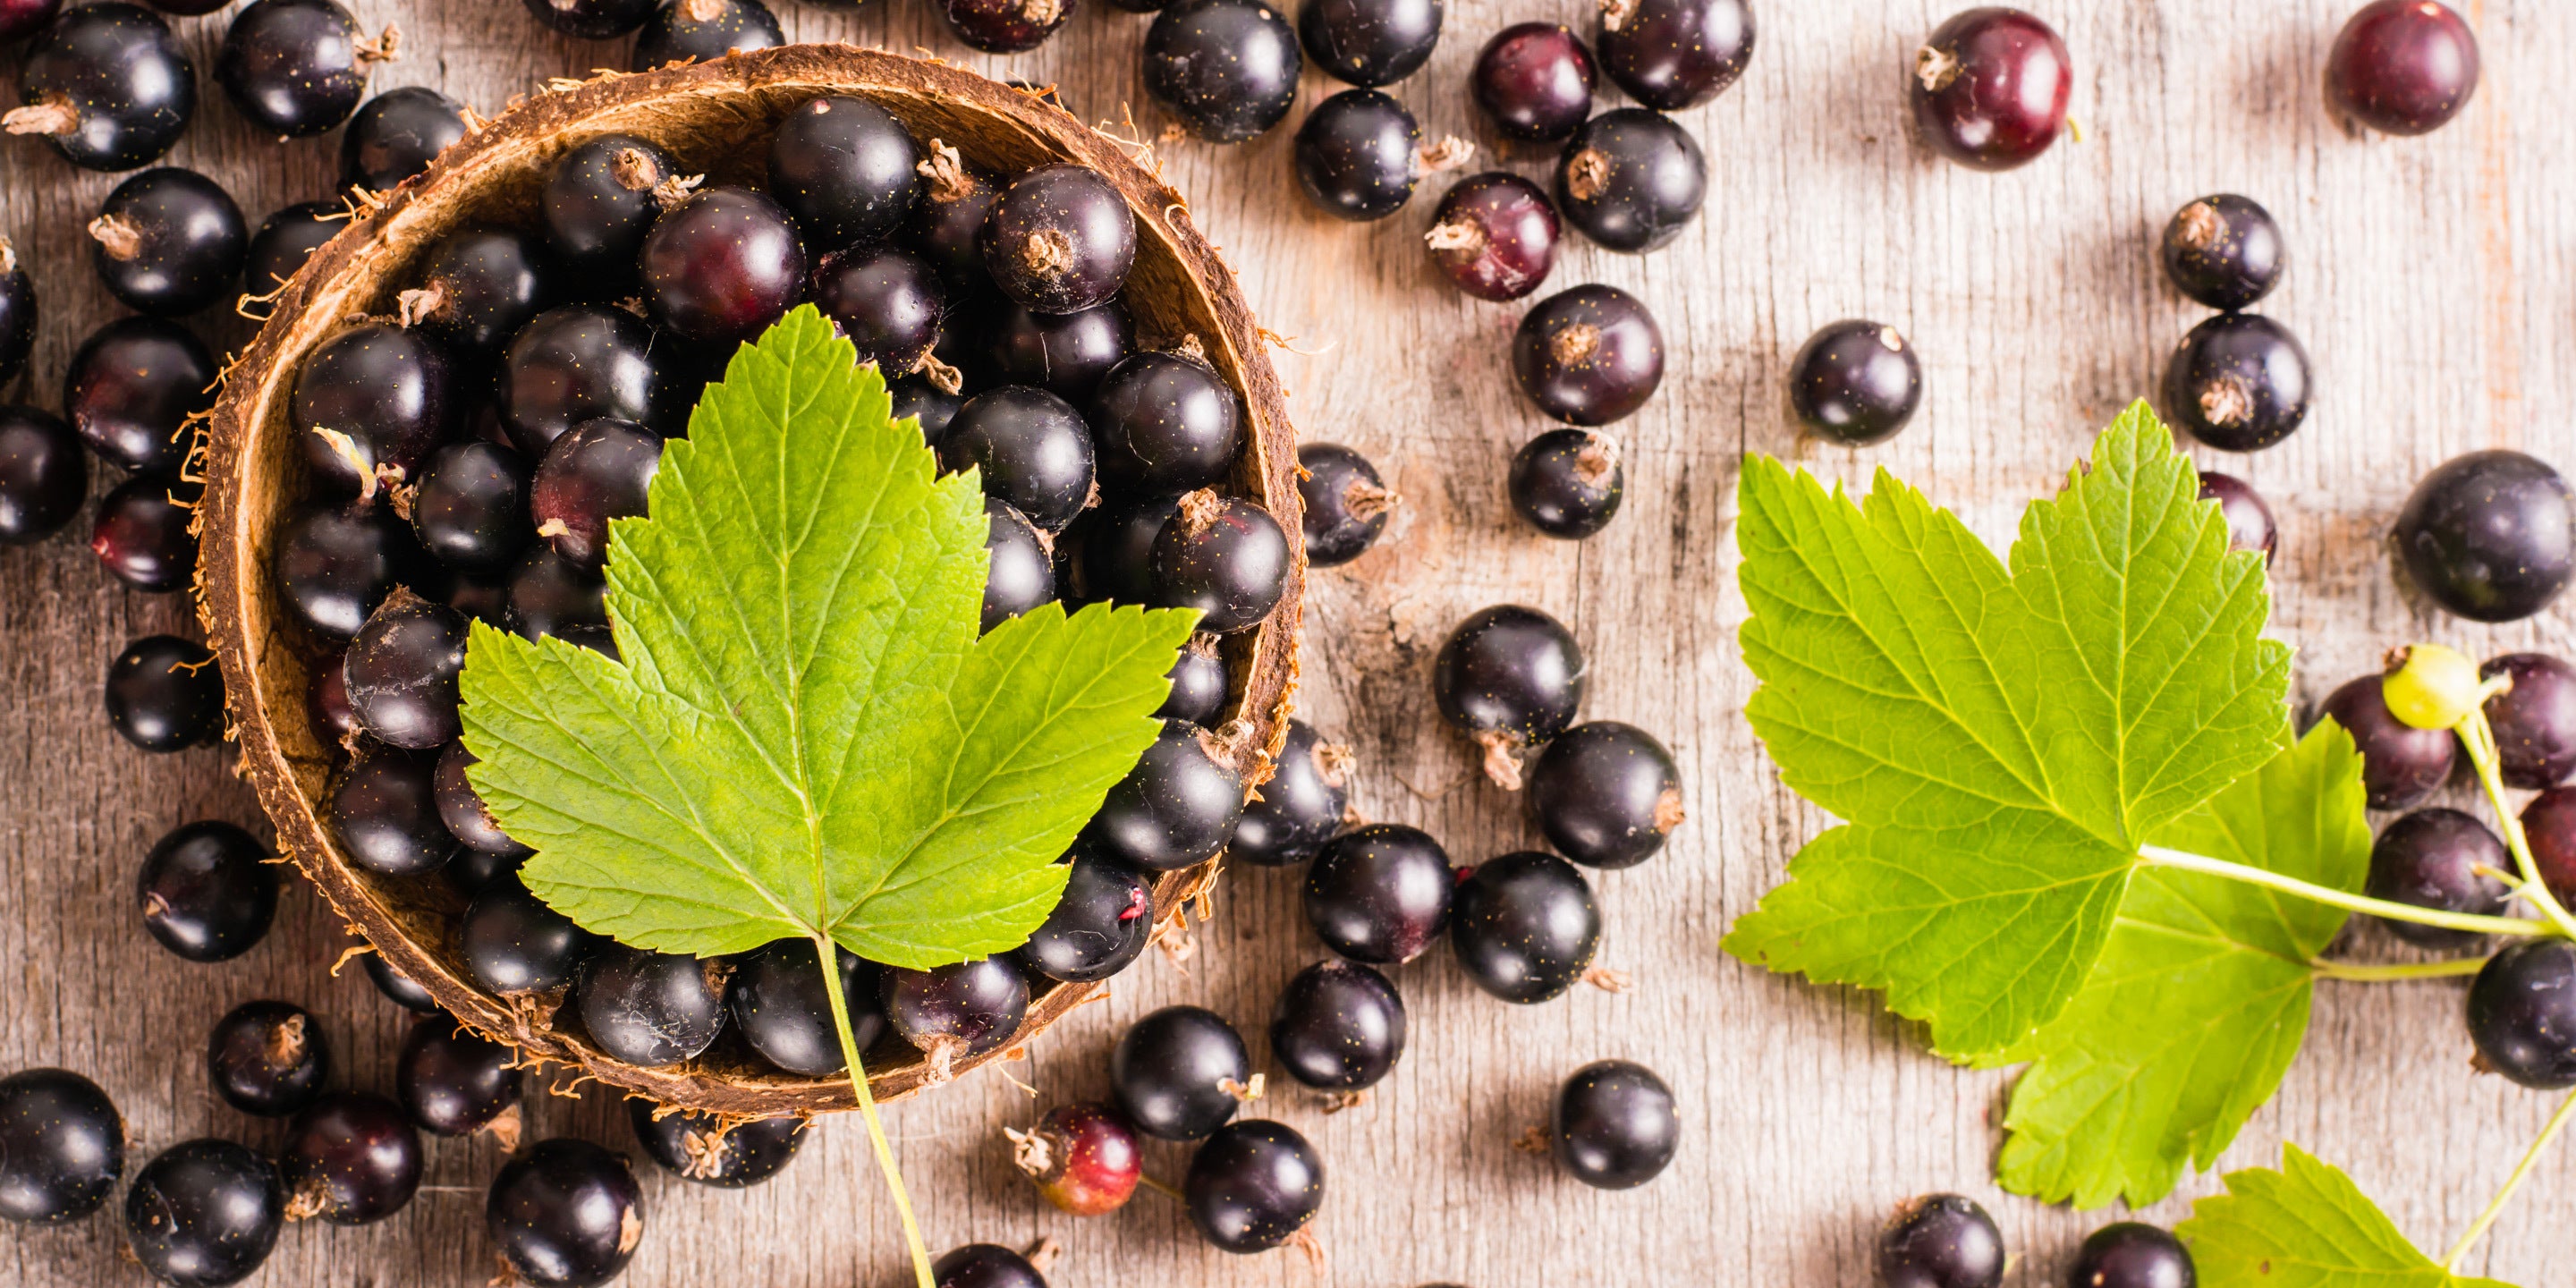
(2164, 858)
(868, 1109)
(2360, 973)
(2521, 1171)
(2478, 738)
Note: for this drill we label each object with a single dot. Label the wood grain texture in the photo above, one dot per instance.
(2429, 279)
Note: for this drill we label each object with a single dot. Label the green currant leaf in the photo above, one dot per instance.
(1999, 740)
(807, 736)
(2305, 1226)
(2200, 999)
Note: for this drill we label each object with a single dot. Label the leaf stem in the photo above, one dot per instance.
(2521, 1171)
(2478, 738)
(868, 1108)
(2326, 969)
(2165, 858)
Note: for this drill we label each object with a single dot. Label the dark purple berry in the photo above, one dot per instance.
(1346, 503)
(1005, 26)
(2400, 764)
(2132, 1254)
(885, 302)
(1109, 553)
(1358, 155)
(351, 1159)
(296, 68)
(1495, 235)
(2402, 66)
(1083, 1157)
(369, 405)
(165, 694)
(1175, 808)
(577, 363)
(514, 944)
(1674, 54)
(984, 1265)
(1631, 179)
(1100, 925)
(711, 1150)
(286, 239)
(131, 388)
(2490, 536)
(1302, 806)
(957, 1012)
(2238, 382)
(204, 1212)
(141, 535)
(326, 703)
(1338, 1027)
(398, 988)
(2534, 721)
(1059, 239)
(1510, 678)
(567, 1214)
(1254, 1185)
(1180, 1073)
(18, 312)
(1940, 1241)
(1855, 382)
(1032, 450)
(1165, 422)
(926, 403)
(1990, 88)
(452, 1080)
(598, 203)
(2522, 1014)
(333, 566)
(2224, 251)
(1605, 794)
(552, 595)
(781, 1009)
(207, 891)
(650, 1009)
(478, 287)
(1567, 483)
(601, 470)
(846, 169)
(385, 813)
(400, 673)
(1224, 556)
(1200, 687)
(1534, 80)
(593, 19)
(2249, 520)
(1380, 894)
(2431, 859)
(1227, 68)
(1589, 356)
(107, 85)
(1019, 573)
(1524, 926)
(169, 241)
(1614, 1125)
(1066, 354)
(396, 135)
(2549, 825)
(471, 509)
(267, 1058)
(43, 475)
(62, 1146)
(703, 31)
(1369, 42)
(722, 265)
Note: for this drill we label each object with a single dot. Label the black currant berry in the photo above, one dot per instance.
(885, 302)
(600, 470)
(1359, 154)
(18, 312)
(949, 212)
(593, 19)
(1940, 1241)
(2249, 520)
(384, 811)
(396, 135)
(1524, 926)
(958, 1012)
(368, 407)
(512, 943)
(2522, 1013)
(1567, 482)
(650, 1009)
(2534, 721)
(1175, 808)
(268, 1058)
(1100, 925)
(1059, 239)
(1534, 80)
(1165, 422)
(1511, 678)
(2402, 66)
(398, 988)
(207, 891)
(2224, 251)
(781, 1009)
(351, 1158)
(1369, 42)
(43, 475)
(1084, 1157)
(598, 204)
(1338, 1026)
(702, 31)
(2549, 824)
(1630, 179)
(552, 595)
(141, 535)
(168, 242)
(1990, 88)
(131, 389)
(711, 1150)
(471, 510)
(1495, 235)
(722, 265)
(1019, 571)
(1108, 553)
(846, 169)
(2431, 859)
(2490, 536)
(1674, 54)
(454, 1081)
(333, 565)
(1254, 1185)
(107, 85)
(1605, 794)
(2132, 1254)
(400, 673)
(1302, 806)
(2400, 764)
(1066, 354)
(1614, 1125)
(1180, 1073)
(297, 68)
(1855, 382)
(1380, 894)
(567, 1213)
(984, 1265)
(1588, 356)
(204, 1212)
(930, 405)
(62, 1146)
(1346, 504)
(2239, 382)
(165, 694)
(581, 362)
(1224, 556)
(1227, 68)
(1005, 26)
(286, 239)
(1200, 687)
(1032, 449)
(478, 287)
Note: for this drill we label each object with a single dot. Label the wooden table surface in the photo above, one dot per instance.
(2430, 279)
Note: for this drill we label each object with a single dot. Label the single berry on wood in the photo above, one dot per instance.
(165, 694)
(1227, 68)
(1990, 87)
(2239, 382)
(1180, 1073)
(351, 1158)
(1940, 1241)
(62, 1147)
(1346, 503)
(267, 1058)
(1567, 483)
(1615, 1126)
(43, 474)
(2224, 251)
(1510, 678)
(1380, 894)
(1083, 1157)
(207, 891)
(1605, 794)
(107, 86)
(1631, 179)
(1855, 382)
(204, 1212)
(2250, 526)
(1589, 355)
(1495, 235)
(1534, 81)
(1674, 54)
(169, 242)
(141, 533)
(2490, 536)
(2402, 66)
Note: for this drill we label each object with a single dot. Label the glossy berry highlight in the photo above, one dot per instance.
(2224, 251)
(958, 1012)
(1614, 1125)
(2444, 860)
(1525, 926)
(1180, 1073)
(1589, 355)
(2400, 764)
(267, 1058)
(2402, 66)
(1631, 179)
(2132, 1254)
(1672, 55)
(165, 694)
(1338, 1027)
(1940, 1241)
(204, 1212)
(1380, 894)
(207, 891)
(168, 242)
(1990, 87)
(1227, 68)
(1534, 81)
(1305, 803)
(649, 1009)
(1567, 483)
(107, 86)
(2490, 536)
(566, 1214)
(1254, 1185)
(1224, 556)
(1509, 677)
(43, 474)
(62, 1147)
(2522, 1014)
(350, 1159)
(2534, 721)
(1346, 503)
(1083, 1157)
(1605, 794)
(2239, 382)
(709, 1151)
(1101, 923)
(1855, 382)
(2250, 526)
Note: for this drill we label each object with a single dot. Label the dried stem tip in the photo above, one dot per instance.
(1460, 239)
(634, 170)
(118, 236)
(1588, 174)
(947, 173)
(54, 116)
(1574, 345)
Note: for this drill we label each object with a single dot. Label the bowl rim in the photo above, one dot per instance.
(233, 578)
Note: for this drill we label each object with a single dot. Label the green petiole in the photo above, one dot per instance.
(2478, 737)
(868, 1109)
(2370, 974)
(2472, 922)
